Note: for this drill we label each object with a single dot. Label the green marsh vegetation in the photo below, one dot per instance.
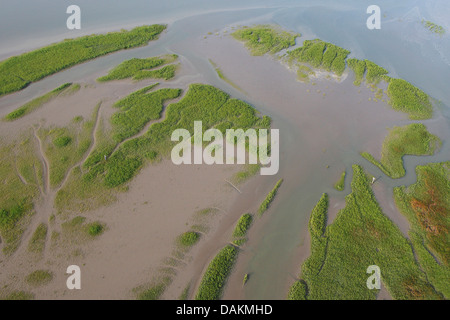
(244, 281)
(303, 73)
(37, 241)
(202, 102)
(410, 99)
(262, 39)
(39, 278)
(64, 147)
(360, 236)
(359, 68)
(154, 291)
(80, 194)
(139, 69)
(78, 228)
(270, 197)
(17, 295)
(249, 171)
(298, 291)
(241, 229)
(322, 55)
(19, 71)
(433, 27)
(340, 184)
(20, 172)
(403, 96)
(375, 73)
(222, 75)
(137, 109)
(40, 101)
(216, 275)
(327, 56)
(412, 139)
(82, 185)
(188, 239)
(426, 205)
(95, 228)
(185, 294)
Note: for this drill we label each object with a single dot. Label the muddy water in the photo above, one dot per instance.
(323, 128)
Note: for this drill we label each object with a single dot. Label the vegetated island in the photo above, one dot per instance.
(40, 101)
(262, 39)
(320, 55)
(223, 77)
(216, 275)
(433, 27)
(269, 198)
(241, 229)
(340, 184)
(138, 69)
(412, 139)
(360, 236)
(19, 71)
(426, 205)
(219, 269)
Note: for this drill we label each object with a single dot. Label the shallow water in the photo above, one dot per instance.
(316, 130)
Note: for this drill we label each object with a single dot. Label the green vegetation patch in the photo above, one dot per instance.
(412, 139)
(223, 76)
(37, 102)
(201, 103)
(95, 228)
(243, 225)
(433, 27)
(340, 184)
(360, 236)
(39, 278)
(215, 277)
(79, 229)
(139, 69)
(137, 109)
(64, 147)
(155, 291)
(19, 71)
(270, 197)
(37, 241)
(18, 295)
(359, 68)
(375, 73)
(298, 291)
(185, 294)
(20, 180)
(249, 171)
(262, 39)
(62, 141)
(318, 219)
(410, 99)
(188, 239)
(240, 231)
(321, 54)
(426, 205)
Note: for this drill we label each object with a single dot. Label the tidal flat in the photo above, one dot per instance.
(324, 125)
